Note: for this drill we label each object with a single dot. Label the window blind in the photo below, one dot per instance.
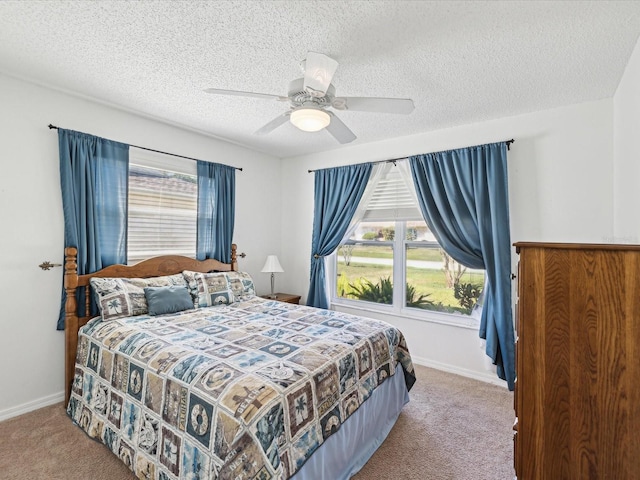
(162, 213)
(392, 200)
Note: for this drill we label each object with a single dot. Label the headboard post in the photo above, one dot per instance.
(234, 257)
(71, 316)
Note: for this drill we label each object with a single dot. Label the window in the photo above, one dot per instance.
(162, 208)
(391, 258)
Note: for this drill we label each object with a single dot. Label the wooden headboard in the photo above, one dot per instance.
(153, 267)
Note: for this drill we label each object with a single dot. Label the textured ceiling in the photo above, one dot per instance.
(461, 62)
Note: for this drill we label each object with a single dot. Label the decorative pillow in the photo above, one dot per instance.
(241, 284)
(124, 297)
(174, 298)
(209, 289)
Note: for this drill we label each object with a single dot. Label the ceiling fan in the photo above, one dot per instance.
(311, 96)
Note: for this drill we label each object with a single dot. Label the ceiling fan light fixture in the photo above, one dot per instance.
(309, 119)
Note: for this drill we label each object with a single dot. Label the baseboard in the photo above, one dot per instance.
(30, 406)
(488, 377)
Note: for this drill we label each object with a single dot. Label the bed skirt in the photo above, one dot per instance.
(345, 452)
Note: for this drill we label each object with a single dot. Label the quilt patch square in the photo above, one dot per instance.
(136, 376)
(303, 447)
(250, 360)
(195, 462)
(329, 349)
(170, 451)
(115, 409)
(145, 468)
(78, 381)
(383, 373)
(214, 380)
(300, 407)
(149, 437)
(335, 323)
(174, 410)
(226, 351)
(120, 376)
(286, 463)
(154, 388)
(269, 430)
(245, 460)
(117, 336)
(100, 398)
(380, 349)
(226, 430)
(346, 337)
(133, 342)
(327, 382)
(254, 341)
(87, 387)
(93, 359)
(246, 397)
(308, 359)
(189, 368)
(277, 333)
(300, 339)
(330, 423)
(111, 439)
(279, 349)
(347, 367)
(126, 454)
(131, 416)
(199, 420)
(365, 360)
(166, 359)
(350, 404)
(367, 385)
(106, 365)
(282, 374)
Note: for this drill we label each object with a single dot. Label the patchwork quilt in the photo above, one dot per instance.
(242, 391)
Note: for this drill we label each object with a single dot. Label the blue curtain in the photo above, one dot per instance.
(337, 194)
(216, 211)
(464, 199)
(94, 183)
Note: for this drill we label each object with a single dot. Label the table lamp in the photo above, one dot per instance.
(272, 265)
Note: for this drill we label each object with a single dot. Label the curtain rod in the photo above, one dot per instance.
(394, 160)
(158, 151)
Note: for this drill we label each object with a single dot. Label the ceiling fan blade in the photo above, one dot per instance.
(318, 72)
(339, 130)
(273, 124)
(374, 104)
(237, 93)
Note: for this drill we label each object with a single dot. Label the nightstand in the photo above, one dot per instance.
(284, 297)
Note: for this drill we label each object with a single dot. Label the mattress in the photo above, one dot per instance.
(241, 391)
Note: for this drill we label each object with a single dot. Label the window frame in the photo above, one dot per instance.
(398, 308)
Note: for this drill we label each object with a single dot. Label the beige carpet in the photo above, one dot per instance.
(454, 428)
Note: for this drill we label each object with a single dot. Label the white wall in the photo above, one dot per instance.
(626, 148)
(31, 222)
(560, 188)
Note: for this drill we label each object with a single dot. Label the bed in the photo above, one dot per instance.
(230, 386)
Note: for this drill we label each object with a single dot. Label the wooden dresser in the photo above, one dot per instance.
(577, 395)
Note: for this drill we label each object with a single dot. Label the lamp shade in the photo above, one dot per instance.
(310, 119)
(272, 265)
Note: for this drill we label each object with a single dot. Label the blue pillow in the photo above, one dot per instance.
(171, 299)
